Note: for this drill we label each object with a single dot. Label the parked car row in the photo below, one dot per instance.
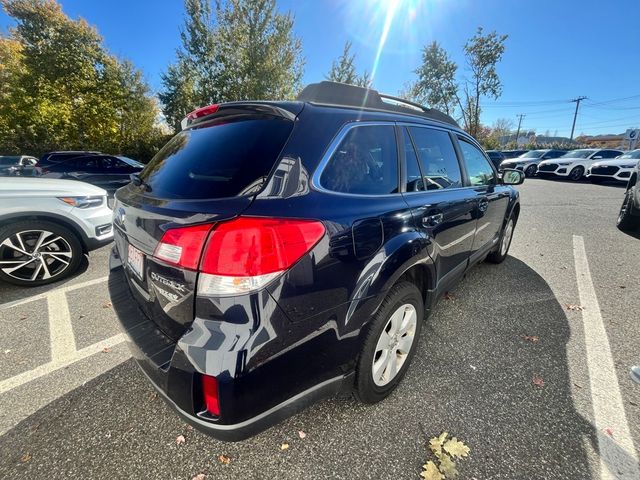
(596, 164)
(103, 170)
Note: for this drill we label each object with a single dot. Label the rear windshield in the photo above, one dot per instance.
(223, 159)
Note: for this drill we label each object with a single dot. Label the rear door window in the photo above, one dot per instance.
(365, 162)
(415, 182)
(437, 156)
(478, 167)
(225, 158)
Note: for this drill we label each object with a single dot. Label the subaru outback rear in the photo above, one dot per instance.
(268, 249)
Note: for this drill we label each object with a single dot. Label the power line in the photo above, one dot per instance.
(575, 115)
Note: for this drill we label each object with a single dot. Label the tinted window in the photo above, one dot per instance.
(221, 159)
(437, 158)
(609, 153)
(415, 182)
(88, 163)
(9, 160)
(478, 168)
(365, 162)
(111, 163)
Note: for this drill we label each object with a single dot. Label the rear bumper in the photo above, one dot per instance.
(254, 394)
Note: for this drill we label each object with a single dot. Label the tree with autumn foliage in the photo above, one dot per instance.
(61, 89)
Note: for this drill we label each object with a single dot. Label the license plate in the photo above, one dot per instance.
(135, 260)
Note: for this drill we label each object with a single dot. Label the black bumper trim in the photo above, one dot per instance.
(252, 426)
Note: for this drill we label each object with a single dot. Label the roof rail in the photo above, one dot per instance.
(342, 94)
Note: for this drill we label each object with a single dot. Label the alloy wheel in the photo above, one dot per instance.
(576, 173)
(33, 255)
(506, 238)
(394, 344)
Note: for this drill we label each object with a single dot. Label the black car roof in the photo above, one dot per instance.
(351, 96)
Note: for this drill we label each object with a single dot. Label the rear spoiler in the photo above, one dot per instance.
(234, 108)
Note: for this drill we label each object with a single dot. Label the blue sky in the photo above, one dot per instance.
(556, 51)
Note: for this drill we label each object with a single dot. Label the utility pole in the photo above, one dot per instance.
(520, 116)
(575, 115)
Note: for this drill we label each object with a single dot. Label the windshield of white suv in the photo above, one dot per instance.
(577, 154)
(634, 154)
(533, 154)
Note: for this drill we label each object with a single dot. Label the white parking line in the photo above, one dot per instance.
(47, 368)
(70, 288)
(618, 456)
(63, 342)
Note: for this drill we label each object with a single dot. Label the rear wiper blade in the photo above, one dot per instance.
(138, 182)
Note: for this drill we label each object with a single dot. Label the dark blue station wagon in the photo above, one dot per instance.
(274, 253)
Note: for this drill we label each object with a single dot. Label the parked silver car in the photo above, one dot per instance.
(47, 226)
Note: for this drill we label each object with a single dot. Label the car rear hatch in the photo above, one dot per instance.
(206, 174)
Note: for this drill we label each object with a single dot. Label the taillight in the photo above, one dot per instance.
(247, 253)
(210, 394)
(199, 113)
(182, 246)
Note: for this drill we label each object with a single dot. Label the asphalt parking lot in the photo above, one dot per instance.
(562, 309)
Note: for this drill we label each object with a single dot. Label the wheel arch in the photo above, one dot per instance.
(49, 217)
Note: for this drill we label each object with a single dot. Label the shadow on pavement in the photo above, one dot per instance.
(472, 377)
(12, 293)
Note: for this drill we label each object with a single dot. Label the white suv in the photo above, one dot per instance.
(574, 164)
(47, 226)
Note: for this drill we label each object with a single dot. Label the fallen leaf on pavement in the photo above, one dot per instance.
(431, 472)
(23, 317)
(224, 459)
(180, 440)
(574, 308)
(200, 476)
(449, 296)
(106, 350)
(448, 467)
(284, 446)
(609, 431)
(25, 458)
(435, 444)
(301, 434)
(456, 448)
(537, 380)
(531, 338)
(107, 305)
(623, 286)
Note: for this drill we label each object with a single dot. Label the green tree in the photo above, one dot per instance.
(440, 86)
(343, 69)
(436, 85)
(247, 50)
(65, 90)
(483, 53)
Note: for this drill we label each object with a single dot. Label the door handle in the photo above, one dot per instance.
(432, 220)
(483, 205)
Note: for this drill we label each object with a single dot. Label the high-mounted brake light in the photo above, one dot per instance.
(247, 253)
(182, 246)
(199, 113)
(210, 394)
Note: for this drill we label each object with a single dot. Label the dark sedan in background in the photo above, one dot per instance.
(106, 171)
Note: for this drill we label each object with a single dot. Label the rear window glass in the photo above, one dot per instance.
(224, 159)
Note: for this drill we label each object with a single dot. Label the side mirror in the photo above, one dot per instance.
(512, 177)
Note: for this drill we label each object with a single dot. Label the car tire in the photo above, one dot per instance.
(531, 171)
(502, 250)
(387, 350)
(627, 220)
(576, 173)
(59, 256)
